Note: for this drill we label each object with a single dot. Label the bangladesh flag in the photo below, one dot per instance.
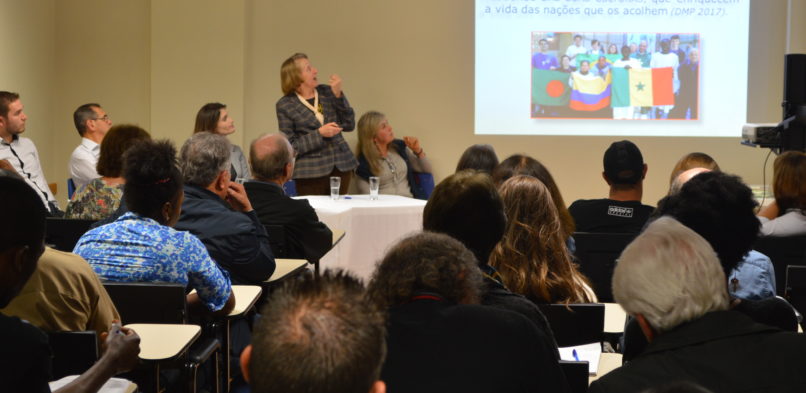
(550, 87)
(643, 87)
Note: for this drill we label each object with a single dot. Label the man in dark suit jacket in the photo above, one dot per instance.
(272, 161)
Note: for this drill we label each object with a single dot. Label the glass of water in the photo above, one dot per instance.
(374, 185)
(335, 184)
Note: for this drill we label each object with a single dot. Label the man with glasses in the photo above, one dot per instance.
(92, 123)
(18, 153)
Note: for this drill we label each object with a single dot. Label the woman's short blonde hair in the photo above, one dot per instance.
(693, 160)
(290, 76)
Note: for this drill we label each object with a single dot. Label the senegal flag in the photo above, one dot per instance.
(550, 87)
(643, 87)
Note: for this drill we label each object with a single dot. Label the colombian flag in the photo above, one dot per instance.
(643, 87)
(550, 87)
(590, 94)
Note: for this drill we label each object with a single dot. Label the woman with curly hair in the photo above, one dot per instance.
(532, 257)
(440, 339)
(142, 246)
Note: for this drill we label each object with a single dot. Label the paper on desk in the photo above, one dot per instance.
(588, 352)
(113, 385)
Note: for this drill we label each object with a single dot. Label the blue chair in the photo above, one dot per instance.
(71, 188)
(290, 188)
(425, 185)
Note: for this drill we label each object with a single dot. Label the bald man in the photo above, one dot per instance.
(271, 157)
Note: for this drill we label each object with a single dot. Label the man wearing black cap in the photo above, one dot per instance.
(622, 211)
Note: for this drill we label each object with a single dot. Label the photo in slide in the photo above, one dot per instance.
(615, 75)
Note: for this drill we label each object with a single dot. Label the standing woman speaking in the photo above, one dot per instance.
(312, 117)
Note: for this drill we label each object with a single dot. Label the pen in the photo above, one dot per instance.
(116, 329)
(574, 352)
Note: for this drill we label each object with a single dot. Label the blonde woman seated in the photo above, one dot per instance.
(532, 257)
(101, 197)
(393, 161)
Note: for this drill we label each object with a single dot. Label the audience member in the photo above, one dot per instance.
(63, 293)
(467, 207)
(531, 257)
(272, 160)
(753, 278)
(692, 335)
(312, 117)
(678, 387)
(215, 118)
(26, 360)
(440, 339)
(19, 153)
(518, 164)
(101, 197)
(318, 335)
(719, 207)
(684, 177)
(92, 124)
(478, 157)
(693, 160)
(393, 161)
(142, 246)
(218, 212)
(622, 211)
(785, 216)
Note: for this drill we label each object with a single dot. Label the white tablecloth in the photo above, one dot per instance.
(371, 228)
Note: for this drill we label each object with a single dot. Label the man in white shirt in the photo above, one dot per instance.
(92, 123)
(576, 49)
(19, 153)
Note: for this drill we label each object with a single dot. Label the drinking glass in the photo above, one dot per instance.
(335, 184)
(374, 185)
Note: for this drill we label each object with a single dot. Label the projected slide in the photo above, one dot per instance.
(605, 67)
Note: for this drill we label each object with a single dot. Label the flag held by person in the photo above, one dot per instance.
(643, 87)
(550, 87)
(589, 93)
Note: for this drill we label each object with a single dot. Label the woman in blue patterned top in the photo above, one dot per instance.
(141, 246)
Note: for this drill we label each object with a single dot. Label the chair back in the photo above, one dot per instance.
(424, 185)
(596, 254)
(783, 251)
(795, 291)
(63, 233)
(277, 240)
(290, 188)
(575, 324)
(71, 188)
(73, 352)
(576, 373)
(149, 302)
